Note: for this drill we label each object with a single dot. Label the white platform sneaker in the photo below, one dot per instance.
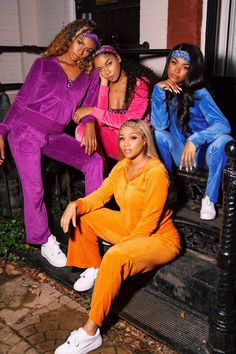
(208, 211)
(86, 280)
(79, 342)
(52, 252)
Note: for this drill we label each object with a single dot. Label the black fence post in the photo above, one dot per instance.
(222, 324)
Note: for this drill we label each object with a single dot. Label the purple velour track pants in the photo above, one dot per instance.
(27, 145)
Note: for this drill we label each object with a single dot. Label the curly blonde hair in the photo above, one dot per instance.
(64, 39)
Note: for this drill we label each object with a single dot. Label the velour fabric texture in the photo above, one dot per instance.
(109, 120)
(208, 130)
(142, 232)
(35, 123)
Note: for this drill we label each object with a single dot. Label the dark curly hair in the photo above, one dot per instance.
(63, 40)
(194, 80)
(133, 71)
(136, 71)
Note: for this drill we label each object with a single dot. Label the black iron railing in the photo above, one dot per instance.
(222, 324)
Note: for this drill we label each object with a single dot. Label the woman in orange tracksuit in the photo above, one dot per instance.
(142, 232)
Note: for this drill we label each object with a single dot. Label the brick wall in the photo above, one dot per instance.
(184, 22)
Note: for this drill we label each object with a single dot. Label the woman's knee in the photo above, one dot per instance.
(115, 256)
(218, 145)
(95, 167)
(162, 136)
(165, 141)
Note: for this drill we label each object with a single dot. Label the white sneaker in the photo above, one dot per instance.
(207, 211)
(86, 280)
(79, 342)
(52, 252)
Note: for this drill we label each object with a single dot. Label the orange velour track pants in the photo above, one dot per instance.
(124, 259)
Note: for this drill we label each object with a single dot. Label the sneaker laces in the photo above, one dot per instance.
(207, 201)
(73, 338)
(88, 270)
(55, 246)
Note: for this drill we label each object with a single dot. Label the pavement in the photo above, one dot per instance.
(36, 317)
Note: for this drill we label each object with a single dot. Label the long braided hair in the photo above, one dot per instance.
(194, 80)
(136, 71)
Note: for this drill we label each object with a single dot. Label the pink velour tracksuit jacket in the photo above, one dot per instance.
(110, 120)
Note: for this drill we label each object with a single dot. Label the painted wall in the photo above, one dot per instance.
(35, 22)
(164, 23)
(29, 22)
(153, 29)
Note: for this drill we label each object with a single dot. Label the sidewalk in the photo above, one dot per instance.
(35, 317)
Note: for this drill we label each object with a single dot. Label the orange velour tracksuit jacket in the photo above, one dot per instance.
(142, 231)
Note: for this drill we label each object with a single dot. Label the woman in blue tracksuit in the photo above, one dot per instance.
(189, 127)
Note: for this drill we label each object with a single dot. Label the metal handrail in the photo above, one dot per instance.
(222, 322)
(31, 49)
(138, 49)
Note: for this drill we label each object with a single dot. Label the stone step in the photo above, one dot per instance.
(142, 305)
(199, 235)
(168, 321)
(190, 280)
(191, 185)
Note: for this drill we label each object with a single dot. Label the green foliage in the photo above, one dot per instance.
(12, 236)
(87, 302)
(121, 327)
(57, 205)
(12, 232)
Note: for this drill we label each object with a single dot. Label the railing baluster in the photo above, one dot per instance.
(222, 324)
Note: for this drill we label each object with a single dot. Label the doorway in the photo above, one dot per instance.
(118, 20)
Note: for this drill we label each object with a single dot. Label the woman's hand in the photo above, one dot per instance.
(188, 158)
(2, 150)
(168, 85)
(69, 215)
(89, 139)
(81, 113)
(103, 81)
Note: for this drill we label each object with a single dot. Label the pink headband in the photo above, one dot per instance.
(92, 36)
(106, 49)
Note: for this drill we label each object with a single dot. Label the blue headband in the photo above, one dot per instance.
(181, 54)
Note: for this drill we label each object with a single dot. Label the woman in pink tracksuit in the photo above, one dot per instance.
(125, 92)
(58, 83)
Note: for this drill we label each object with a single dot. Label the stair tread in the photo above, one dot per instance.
(193, 265)
(166, 320)
(190, 279)
(160, 316)
(190, 212)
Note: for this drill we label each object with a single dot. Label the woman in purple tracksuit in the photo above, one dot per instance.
(59, 82)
